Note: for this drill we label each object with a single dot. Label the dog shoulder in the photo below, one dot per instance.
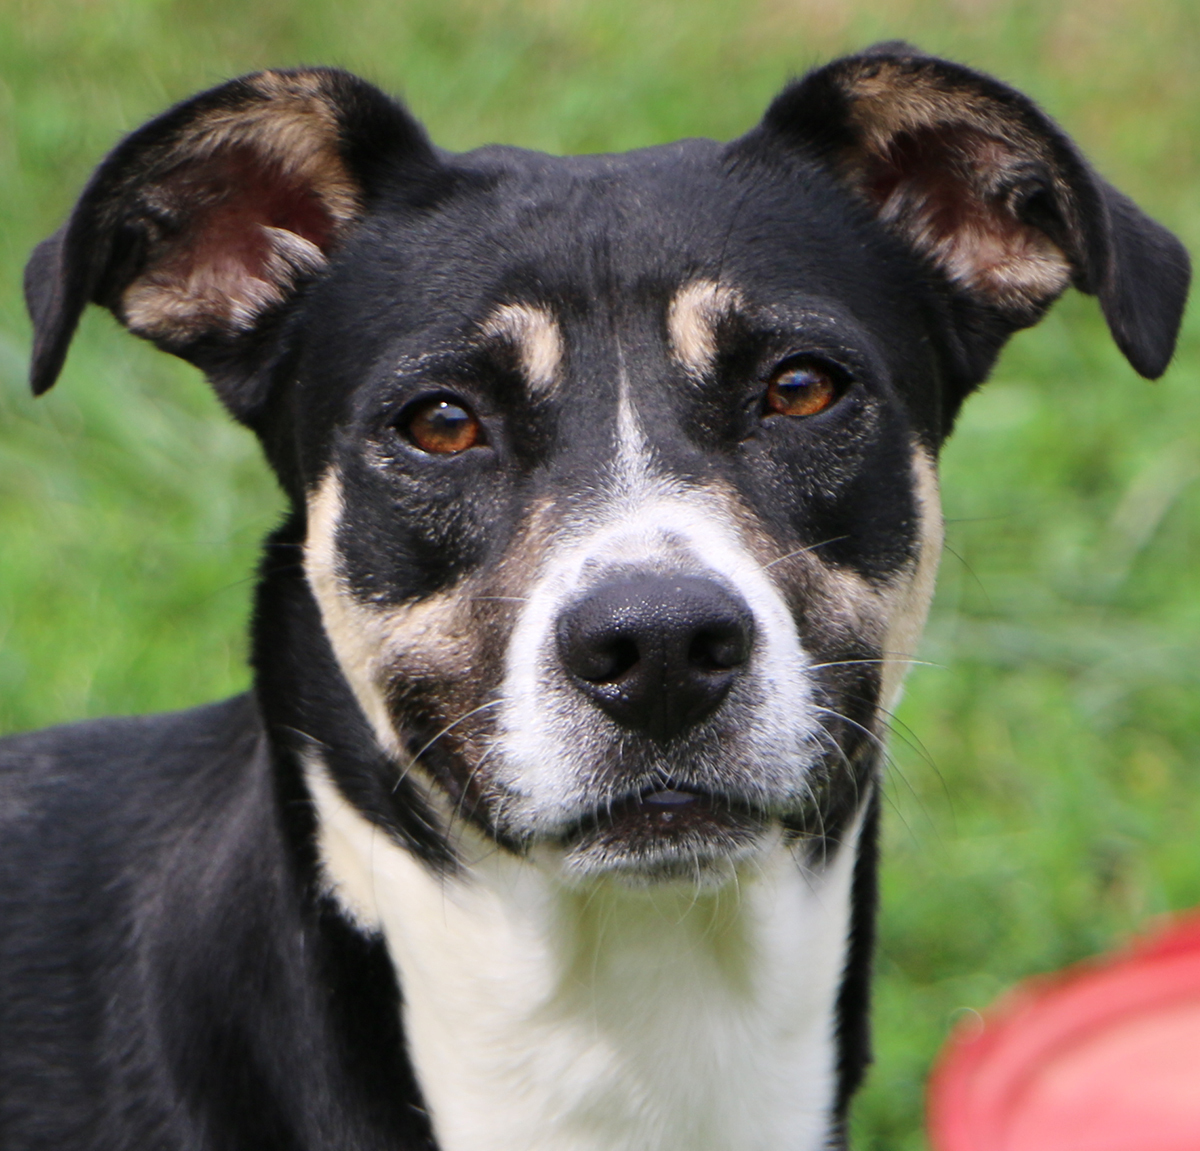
(159, 946)
(98, 820)
(139, 772)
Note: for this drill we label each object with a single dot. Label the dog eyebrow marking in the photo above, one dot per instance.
(692, 319)
(536, 338)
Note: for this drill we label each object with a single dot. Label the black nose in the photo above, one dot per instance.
(657, 653)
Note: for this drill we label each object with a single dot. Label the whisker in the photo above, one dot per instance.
(971, 572)
(871, 735)
(892, 766)
(304, 735)
(807, 548)
(458, 807)
(912, 741)
(412, 761)
(908, 737)
(890, 762)
(885, 659)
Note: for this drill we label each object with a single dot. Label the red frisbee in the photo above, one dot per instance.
(1104, 1056)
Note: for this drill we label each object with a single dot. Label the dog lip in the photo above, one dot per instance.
(668, 797)
(664, 832)
(663, 809)
(665, 800)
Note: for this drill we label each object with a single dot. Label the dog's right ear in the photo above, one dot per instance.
(201, 227)
(989, 193)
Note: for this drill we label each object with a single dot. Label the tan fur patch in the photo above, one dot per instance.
(181, 297)
(845, 607)
(227, 265)
(971, 233)
(535, 336)
(841, 606)
(296, 128)
(692, 320)
(369, 641)
(914, 591)
(445, 641)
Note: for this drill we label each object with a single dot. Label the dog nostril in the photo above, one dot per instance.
(656, 654)
(718, 649)
(606, 662)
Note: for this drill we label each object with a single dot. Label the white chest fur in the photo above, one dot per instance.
(545, 1019)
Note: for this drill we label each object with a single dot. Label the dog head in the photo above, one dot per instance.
(614, 475)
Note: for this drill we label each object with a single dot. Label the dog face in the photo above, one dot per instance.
(614, 476)
(614, 546)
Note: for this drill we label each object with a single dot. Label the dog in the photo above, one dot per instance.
(550, 821)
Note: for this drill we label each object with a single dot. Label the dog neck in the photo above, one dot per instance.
(667, 1019)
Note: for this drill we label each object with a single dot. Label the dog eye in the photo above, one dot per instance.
(440, 426)
(801, 388)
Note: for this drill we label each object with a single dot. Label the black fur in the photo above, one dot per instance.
(171, 978)
(171, 975)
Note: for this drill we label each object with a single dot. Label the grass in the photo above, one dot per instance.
(1046, 785)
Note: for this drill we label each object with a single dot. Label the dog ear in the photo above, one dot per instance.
(200, 227)
(983, 186)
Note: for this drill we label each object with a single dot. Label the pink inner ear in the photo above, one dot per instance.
(229, 198)
(245, 227)
(947, 189)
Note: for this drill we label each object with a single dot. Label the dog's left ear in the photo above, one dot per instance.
(203, 226)
(984, 187)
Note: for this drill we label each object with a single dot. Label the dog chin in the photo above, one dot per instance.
(664, 836)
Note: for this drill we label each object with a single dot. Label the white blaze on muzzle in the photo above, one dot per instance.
(646, 524)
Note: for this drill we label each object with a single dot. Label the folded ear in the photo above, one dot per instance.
(976, 180)
(200, 227)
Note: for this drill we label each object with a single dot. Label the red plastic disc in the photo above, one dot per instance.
(1101, 1057)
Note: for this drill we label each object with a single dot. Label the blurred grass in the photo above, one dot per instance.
(1045, 794)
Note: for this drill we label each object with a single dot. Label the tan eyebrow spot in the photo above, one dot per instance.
(692, 321)
(536, 338)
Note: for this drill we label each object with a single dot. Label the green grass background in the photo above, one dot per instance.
(1045, 796)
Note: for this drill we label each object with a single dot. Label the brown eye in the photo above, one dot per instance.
(801, 388)
(441, 426)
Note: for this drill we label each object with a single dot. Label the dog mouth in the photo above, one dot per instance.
(663, 832)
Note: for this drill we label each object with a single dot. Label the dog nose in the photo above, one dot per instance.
(657, 653)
